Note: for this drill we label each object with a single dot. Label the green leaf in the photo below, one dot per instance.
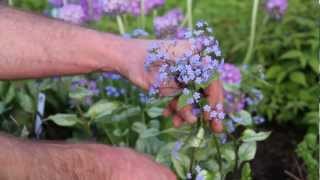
(65, 120)
(299, 78)
(245, 117)
(124, 115)
(26, 102)
(10, 94)
(247, 151)
(164, 154)
(151, 132)
(181, 165)
(314, 64)
(197, 141)
(102, 108)
(80, 93)
(183, 99)
(292, 54)
(138, 127)
(246, 172)
(250, 135)
(231, 87)
(273, 71)
(155, 112)
(3, 87)
(2, 107)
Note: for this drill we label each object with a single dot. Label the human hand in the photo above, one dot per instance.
(145, 79)
(64, 161)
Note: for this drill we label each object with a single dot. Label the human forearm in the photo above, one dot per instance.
(27, 160)
(33, 46)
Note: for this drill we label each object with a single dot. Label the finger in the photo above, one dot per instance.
(215, 93)
(216, 126)
(169, 88)
(177, 121)
(167, 112)
(186, 114)
(173, 105)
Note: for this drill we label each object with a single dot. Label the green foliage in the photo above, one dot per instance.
(288, 51)
(308, 150)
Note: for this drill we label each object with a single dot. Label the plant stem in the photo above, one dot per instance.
(219, 155)
(142, 15)
(236, 147)
(10, 2)
(120, 25)
(109, 137)
(252, 32)
(199, 124)
(189, 13)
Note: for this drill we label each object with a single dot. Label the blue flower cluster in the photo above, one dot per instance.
(89, 85)
(196, 66)
(112, 91)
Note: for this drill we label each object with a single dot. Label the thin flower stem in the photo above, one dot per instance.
(120, 25)
(219, 155)
(189, 13)
(236, 147)
(193, 150)
(109, 137)
(252, 32)
(10, 2)
(142, 15)
(154, 13)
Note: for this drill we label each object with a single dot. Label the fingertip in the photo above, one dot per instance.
(177, 121)
(167, 112)
(187, 115)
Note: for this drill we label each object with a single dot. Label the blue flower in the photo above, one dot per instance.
(176, 149)
(207, 108)
(196, 96)
(190, 101)
(189, 176)
(198, 169)
(213, 114)
(221, 115)
(219, 107)
(185, 91)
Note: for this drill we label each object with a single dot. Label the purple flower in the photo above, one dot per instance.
(207, 108)
(213, 114)
(176, 149)
(198, 169)
(112, 76)
(230, 74)
(70, 12)
(56, 3)
(189, 176)
(185, 91)
(143, 98)
(115, 7)
(223, 138)
(112, 91)
(221, 115)
(190, 101)
(230, 126)
(134, 7)
(276, 8)
(196, 96)
(219, 107)
(258, 119)
(196, 65)
(92, 9)
(167, 26)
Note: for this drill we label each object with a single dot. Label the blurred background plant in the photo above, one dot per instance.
(282, 73)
